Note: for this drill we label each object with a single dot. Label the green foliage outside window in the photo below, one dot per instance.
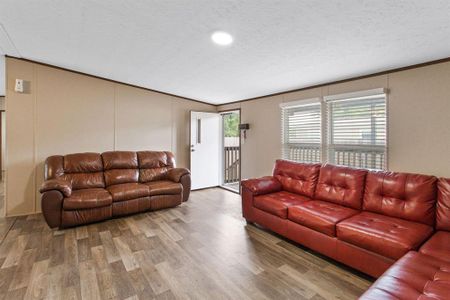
(231, 125)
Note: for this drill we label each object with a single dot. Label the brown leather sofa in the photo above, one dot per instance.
(365, 219)
(83, 188)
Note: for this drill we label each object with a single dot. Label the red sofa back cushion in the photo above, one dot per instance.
(443, 205)
(299, 178)
(341, 185)
(401, 195)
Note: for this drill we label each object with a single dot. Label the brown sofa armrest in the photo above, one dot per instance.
(52, 203)
(64, 186)
(261, 186)
(175, 174)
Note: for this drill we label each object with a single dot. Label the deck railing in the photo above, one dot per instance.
(231, 168)
(358, 157)
(302, 153)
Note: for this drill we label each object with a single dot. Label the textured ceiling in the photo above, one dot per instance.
(279, 45)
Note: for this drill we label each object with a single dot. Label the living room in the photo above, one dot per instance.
(222, 149)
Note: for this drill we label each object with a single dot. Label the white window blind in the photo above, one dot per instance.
(357, 130)
(301, 131)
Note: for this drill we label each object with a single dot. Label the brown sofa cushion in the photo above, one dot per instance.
(127, 191)
(87, 198)
(120, 167)
(153, 165)
(57, 184)
(119, 160)
(83, 163)
(164, 187)
(83, 170)
(119, 176)
(155, 159)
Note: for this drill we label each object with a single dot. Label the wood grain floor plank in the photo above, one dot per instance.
(112, 255)
(16, 251)
(202, 249)
(88, 280)
(126, 255)
(22, 274)
(38, 286)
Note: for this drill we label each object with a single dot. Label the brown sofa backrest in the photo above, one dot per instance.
(402, 195)
(95, 170)
(443, 205)
(153, 165)
(300, 178)
(120, 167)
(341, 185)
(83, 170)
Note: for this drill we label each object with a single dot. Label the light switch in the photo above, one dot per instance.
(19, 86)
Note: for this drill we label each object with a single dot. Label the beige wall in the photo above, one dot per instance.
(3, 133)
(418, 121)
(63, 112)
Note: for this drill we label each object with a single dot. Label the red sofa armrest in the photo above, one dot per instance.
(64, 186)
(261, 186)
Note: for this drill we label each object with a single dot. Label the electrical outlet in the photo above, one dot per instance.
(19, 86)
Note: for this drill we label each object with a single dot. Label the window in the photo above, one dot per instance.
(355, 132)
(301, 130)
(357, 129)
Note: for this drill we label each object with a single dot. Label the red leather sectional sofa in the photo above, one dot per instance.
(365, 219)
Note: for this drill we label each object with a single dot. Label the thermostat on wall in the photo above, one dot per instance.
(19, 86)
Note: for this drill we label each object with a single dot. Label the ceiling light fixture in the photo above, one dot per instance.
(222, 38)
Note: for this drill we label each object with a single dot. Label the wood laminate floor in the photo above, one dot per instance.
(200, 250)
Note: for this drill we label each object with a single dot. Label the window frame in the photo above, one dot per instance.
(285, 106)
(355, 96)
(326, 136)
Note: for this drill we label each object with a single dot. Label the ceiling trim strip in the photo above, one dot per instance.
(415, 66)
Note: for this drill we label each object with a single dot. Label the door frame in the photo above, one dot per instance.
(240, 150)
(190, 145)
(1, 144)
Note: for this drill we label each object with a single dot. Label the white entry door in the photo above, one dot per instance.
(206, 142)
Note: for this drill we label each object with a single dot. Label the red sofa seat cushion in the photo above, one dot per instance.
(341, 185)
(320, 215)
(277, 203)
(299, 178)
(87, 198)
(128, 191)
(414, 276)
(438, 246)
(387, 236)
(401, 195)
(443, 205)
